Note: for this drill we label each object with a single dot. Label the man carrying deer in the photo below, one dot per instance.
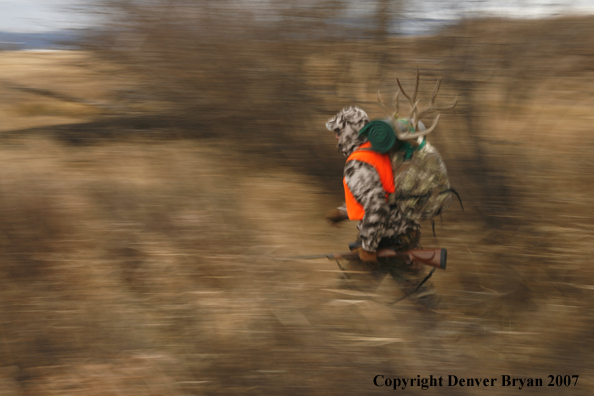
(393, 178)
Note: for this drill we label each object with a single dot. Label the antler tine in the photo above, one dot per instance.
(404, 92)
(396, 103)
(448, 107)
(412, 100)
(412, 111)
(435, 91)
(432, 109)
(414, 97)
(431, 105)
(409, 135)
(380, 101)
(414, 117)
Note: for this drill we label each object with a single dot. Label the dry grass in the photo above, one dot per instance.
(142, 266)
(61, 87)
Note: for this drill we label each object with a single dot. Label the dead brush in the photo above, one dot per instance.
(34, 229)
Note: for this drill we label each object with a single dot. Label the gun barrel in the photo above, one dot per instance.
(433, 257)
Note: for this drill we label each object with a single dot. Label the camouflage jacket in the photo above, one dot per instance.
(379, 221)
(418, 186)
(422, 185)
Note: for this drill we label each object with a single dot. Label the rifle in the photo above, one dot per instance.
(436, 258)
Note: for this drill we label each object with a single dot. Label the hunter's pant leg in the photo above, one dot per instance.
(409, 277)
(361, 276)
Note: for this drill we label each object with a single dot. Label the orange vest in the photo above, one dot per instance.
(383, 166)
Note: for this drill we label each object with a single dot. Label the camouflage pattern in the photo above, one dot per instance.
(347, 124)
(398, 224)
(422, 184)
(379, 221)
(352, 114)
(363, 180)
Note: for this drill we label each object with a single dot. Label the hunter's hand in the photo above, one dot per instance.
(335, 216)
(364, 255)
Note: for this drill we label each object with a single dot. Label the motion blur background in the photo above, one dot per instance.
(152, 173)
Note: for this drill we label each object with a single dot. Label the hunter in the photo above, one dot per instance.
(393, 178)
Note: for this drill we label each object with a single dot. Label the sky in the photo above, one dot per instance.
(32, 16)
(27, 16)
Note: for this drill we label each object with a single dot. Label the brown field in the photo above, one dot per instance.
(138, 240)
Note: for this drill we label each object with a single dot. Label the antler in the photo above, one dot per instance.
(395, 102)
(379, 99)
(414, 96)
(411, 135)
(414, 117)
(432, 108)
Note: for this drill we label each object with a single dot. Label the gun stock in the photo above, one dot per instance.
(434, 257)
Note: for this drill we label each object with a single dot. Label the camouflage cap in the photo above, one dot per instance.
(352, 114)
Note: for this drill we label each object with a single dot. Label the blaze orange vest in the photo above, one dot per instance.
(383, 166)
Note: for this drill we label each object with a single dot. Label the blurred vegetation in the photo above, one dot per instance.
(138, 246)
